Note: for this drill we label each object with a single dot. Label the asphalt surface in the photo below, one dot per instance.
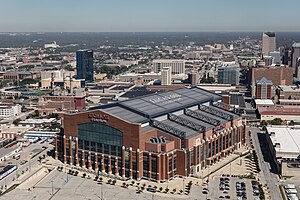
(268, 177)
(26, 168)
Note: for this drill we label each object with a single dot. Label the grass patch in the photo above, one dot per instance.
(287, 177)
(10, 189)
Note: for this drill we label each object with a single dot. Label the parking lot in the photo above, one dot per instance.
(229, 188)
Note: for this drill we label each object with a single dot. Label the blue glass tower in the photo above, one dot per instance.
(85, 65)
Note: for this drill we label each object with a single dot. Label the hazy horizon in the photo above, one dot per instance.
(149, 16)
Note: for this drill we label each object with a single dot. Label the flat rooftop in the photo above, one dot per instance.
(287, 88)
(289, 139)
(264, 102)
(279, 111)
(156, 109)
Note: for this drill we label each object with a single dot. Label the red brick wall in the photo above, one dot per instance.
(131, 136)
(278, 75)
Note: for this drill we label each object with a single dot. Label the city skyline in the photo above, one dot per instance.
(148, 16)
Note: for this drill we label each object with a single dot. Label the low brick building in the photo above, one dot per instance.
(155, 137)
(53, 104)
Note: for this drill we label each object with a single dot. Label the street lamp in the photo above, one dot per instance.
(52, 188)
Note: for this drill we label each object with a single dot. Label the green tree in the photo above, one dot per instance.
(16, 121)
(276, 121)
(35, 113)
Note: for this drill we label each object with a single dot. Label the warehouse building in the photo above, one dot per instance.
(156, 137)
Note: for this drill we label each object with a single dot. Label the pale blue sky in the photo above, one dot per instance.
(149, 15)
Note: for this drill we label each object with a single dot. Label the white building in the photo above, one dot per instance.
(269, 43)
(178, 66)
(10, 110)
(284, 146)
(166, 74)
(51, 45)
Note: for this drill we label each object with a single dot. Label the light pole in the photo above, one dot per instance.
(52, 188)
(101, 192)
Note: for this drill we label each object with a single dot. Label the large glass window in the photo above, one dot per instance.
(108, 139)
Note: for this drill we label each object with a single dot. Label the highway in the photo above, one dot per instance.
(268, 177)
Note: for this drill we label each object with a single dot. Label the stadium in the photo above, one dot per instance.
(156, 137)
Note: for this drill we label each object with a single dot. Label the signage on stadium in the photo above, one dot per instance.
(98, 118)
(166, 99)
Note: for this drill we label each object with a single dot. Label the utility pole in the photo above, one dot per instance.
(101, 193)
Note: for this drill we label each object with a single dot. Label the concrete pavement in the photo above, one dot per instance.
(267, 177)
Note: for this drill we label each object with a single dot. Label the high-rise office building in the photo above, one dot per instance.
(269, 43)
(178, 66)
(85, 65)
(166, 74)
(295, 58)
(276, 57)
(287, 57)
(228, 75)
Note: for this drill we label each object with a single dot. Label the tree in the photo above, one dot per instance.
(292, 123)
(35, 113)
(276, 121)
(69, 68)
(16, 121)
(263, 123)
(207, 79)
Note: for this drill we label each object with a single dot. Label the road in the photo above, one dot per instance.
(32, 163)
(22, 116)
(268, 177)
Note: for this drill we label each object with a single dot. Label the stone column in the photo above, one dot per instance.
(96, 162)
(123, 161)
(71, 150)
(138, 166)
(65, 149)
(109, 165)
(56, 147)
(83, 159)
(76, 153)
(158, 167)
(130, 162)
(150, 165)
(116, 167)
(89, 161)
(102, 164)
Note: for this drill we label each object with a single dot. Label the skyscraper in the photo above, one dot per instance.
(85, 65)
(269, 43)
(295, 59)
